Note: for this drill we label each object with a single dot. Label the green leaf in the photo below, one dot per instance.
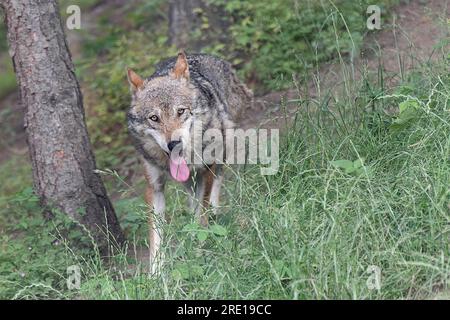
(342, 164)
(184, 271)
(202, 235)
(409, 112)
(408, 105)
(191, 227)
(218, 230)
(350, 169)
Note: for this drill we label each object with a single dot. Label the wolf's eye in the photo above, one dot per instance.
(154, 118)
(181, 111)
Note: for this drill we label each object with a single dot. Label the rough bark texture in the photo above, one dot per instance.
(62, 160)
(188, 16)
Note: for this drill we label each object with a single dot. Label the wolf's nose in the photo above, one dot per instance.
(172, 144)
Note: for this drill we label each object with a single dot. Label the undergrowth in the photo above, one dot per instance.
(374, 195)
(362, 185)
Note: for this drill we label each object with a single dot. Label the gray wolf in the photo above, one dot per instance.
(184, 90)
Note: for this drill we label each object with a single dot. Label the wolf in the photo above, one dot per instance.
(183, 91)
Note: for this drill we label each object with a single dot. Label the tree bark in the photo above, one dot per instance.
(63, 164)
(181, 21)
(188, 16)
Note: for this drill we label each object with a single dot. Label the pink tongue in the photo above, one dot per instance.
(179, 169)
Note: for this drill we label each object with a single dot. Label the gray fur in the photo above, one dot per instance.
(171, 102)
(214, 94)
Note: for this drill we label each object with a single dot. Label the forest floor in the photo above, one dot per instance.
(407, 40)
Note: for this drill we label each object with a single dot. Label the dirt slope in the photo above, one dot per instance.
(410, 38)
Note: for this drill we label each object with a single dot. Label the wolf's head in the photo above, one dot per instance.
(161, 107)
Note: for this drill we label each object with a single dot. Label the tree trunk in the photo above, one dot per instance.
(196, 17)
(181, 21)
(62, 160)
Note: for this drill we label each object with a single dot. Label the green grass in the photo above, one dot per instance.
(352, 192)
(363, 182)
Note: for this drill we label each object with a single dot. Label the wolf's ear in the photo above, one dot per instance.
(135, 80)
(181, 68)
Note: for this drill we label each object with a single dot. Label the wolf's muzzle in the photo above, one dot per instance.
(172, 144)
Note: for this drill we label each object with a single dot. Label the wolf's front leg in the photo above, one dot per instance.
(155, 200)
(215, 192)
(206, 193)
(154, 197)
(196, 194)
(204, 196)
